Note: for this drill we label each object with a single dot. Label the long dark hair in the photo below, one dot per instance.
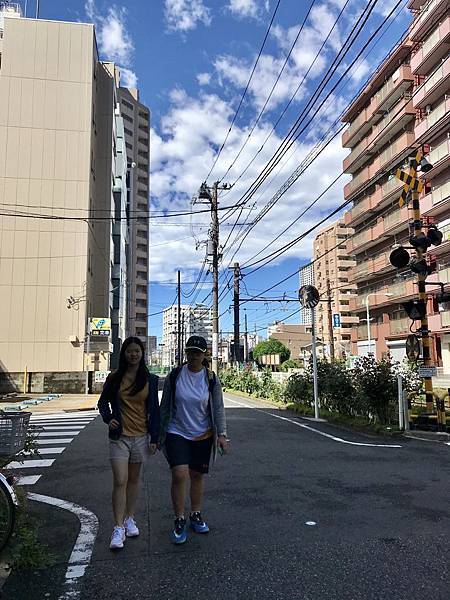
(142, 372)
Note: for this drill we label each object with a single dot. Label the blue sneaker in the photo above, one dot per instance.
(179, 535)
(197, 523)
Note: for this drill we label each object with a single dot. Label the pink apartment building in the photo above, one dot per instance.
(405, 105)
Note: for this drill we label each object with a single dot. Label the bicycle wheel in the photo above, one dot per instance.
(7, 515)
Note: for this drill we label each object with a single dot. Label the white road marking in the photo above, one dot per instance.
(30, 464)
(61, 421)
(28, 479)
(303, 426)
(41, 442)
(82, 551)
(54, 450)
(61, 427)
(56, 433)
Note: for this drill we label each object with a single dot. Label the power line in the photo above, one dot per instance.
(245, 90)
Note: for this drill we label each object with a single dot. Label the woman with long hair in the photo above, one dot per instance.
(193, 426)
(129, 406)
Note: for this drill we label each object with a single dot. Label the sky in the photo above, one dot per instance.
(192, 60)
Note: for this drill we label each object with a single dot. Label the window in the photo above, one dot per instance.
(127, 104)
(141, 261)
(142, 247)
(129, 146)
(142, 303)
(142, 233)
(127, 118)
(128, 131)
(141, 289)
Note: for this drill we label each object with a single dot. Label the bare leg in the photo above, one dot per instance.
(134, 470)
(197, 489)
(120, 476)
(180, 475)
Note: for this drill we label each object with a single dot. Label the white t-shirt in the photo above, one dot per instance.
(191, 419)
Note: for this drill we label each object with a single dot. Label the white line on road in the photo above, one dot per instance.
(56, 433)
(46, 442)
(82, 551)
(54, 450)
(62, 427)
(28, 479)
(30, 464)
(327, 435)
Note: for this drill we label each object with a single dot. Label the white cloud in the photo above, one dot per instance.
(113, 38)
(184, 15)
(204, 78)
(183, 151)
(248, 8)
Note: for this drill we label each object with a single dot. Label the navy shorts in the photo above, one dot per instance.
(180, 451)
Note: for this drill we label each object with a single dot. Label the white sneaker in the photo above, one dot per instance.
(117, 538)
(131, 528)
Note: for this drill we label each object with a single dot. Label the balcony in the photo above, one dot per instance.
(434, 87)
(358, 156)
(434, 120)
(361, 332)
(392, 90)
(356, 182)
(399, 326)
(434, 47)
(362, 208)
(436, 201)
(429, 15)
(357, 129)
(393, 153)
(349, 320)
(391, 187)
(396, 220)
(397, 118)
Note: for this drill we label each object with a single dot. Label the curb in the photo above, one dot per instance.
(428, 436)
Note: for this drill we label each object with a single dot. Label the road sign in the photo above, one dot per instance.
(336, 320)
(412, 347)
(100, 324)
(101, 332)
(308, 296)
(100, 376)
(427, 371)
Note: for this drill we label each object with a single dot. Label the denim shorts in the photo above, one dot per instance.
(134, 449)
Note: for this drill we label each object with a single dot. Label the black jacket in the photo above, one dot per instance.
(110, 408)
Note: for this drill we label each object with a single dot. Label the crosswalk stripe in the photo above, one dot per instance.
(40, 442)
(54, 450)
(62, 427)
(28, 479)
(49, 421)
(43, 417)
(30, 464)
(56, 433)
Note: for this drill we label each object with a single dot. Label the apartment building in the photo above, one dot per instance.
(405, 105)
(63, 242)
(195, 320)
(137, 142)
(332, 272)
(294, 336)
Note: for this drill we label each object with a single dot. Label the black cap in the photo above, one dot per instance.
(196, 342)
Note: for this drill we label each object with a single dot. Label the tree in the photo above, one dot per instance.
(271, 346)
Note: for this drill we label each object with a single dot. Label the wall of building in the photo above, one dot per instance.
(46, 94)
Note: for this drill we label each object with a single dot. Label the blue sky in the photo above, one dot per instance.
(191, 60)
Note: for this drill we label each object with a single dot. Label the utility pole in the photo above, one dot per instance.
(236, 345)
(179, 320)
(330, 320)
(210, 195)
(182, 338)
(245, 338)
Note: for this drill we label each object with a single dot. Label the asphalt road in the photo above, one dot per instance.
(382, 519)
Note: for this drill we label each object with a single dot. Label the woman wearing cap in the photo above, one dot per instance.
(192, 424)
(129, 406)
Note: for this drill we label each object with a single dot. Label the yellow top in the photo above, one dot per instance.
(134, 410)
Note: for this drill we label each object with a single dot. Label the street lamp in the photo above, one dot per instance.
(369, 341)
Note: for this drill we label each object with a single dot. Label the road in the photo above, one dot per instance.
(380, 514)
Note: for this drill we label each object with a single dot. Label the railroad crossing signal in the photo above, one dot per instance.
(412, 183)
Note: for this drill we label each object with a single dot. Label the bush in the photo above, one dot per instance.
(335, 384)
(290, 364)
(299, 388)
(375, 385)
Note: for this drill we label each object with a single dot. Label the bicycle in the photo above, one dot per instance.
(13, 431)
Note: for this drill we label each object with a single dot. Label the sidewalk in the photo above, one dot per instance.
(65, 403)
